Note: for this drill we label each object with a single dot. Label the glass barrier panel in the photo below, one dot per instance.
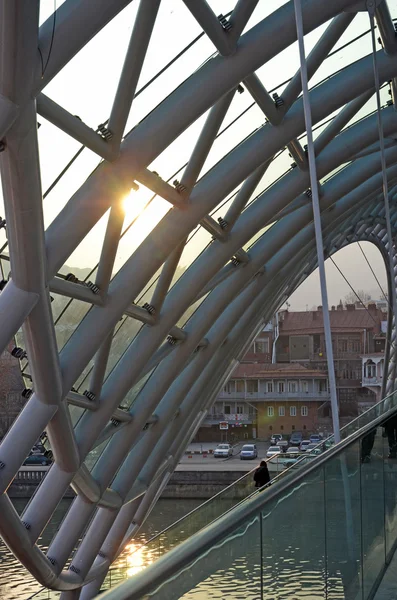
(372, 510)
(389, 437)
(223, 571)
(205, 514)
(342, 500)
(293, 542)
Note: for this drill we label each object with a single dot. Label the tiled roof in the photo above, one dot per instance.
(269, 370)
(342, 321)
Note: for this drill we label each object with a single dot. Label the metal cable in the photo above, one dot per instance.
(317, 218)
(375, 277)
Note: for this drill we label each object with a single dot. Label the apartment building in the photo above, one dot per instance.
(11, 386)
(281, 384)
(356, 333)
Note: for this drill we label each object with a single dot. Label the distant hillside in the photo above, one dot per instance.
(79, 273)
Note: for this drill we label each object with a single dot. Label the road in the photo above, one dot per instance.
(207, 462)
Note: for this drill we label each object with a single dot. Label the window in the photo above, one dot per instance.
(270, 411)
(229, 387)
(262, 347)
(228, 410)
(292, 386)
(323, 385)
(292, 411)
(356, 346)
(342, 345)
(304, 411)
(370, 369)
(269, 387)
(280, 387)
(240, 387)
(239, 409)
(304, 386)
(293, 427)
(270, 428)
(252, 385)
(281, 411)
(281, 427)
(304, 427)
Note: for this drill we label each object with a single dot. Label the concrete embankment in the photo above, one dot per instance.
(205, 484)
(183, 484)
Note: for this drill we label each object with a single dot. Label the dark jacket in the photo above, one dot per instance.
(261, 476)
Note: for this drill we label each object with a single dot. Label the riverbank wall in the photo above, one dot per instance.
(205, 484)
(183, 484)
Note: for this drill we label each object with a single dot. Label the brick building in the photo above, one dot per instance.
(286, 397)
(281, 382)
(355, 332)
(11, 386)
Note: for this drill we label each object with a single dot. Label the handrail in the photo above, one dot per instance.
(175, 523)
(302, 457)
(183, 555)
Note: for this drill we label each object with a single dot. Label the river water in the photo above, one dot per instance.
(17, 584)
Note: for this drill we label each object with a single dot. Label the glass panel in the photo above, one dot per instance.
(232, 565)
(389, 477)
(293, 567)
(205, 514)
(343, 525)
(373, 511)
(69, 321)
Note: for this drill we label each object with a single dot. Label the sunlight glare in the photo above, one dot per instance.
(137, 559)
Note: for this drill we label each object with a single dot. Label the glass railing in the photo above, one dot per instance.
(280, 465)
(328, 532)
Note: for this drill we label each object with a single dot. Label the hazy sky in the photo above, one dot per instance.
(87, 85)
(354, 267)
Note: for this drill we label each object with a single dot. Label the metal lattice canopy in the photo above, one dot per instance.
(141, 275)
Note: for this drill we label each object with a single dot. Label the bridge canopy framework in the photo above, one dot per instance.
(148, 237)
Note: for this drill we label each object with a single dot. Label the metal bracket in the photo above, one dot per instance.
(105, 132)
(225, 23)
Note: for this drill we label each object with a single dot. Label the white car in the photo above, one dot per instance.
(223, 451)
(293, 450)
(273, 451)
(304, 445)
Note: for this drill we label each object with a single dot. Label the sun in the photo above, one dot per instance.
(143, 211)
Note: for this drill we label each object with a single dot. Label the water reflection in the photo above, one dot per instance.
(17, 584)
(137, 558)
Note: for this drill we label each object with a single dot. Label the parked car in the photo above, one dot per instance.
(304, 445)
(248, 451)
(315, 451)
(296, 438)
(37, 460)
(273, 451)
(315, 438)
(283, 444)
(223, 451)
(276, 437)
(298, 460)
(293, 450)
(312, 446)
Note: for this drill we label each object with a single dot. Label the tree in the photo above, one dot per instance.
(351, 297)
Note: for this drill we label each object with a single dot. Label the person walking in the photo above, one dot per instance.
(391, 432)
(262, 475)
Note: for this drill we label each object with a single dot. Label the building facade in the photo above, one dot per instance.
(355, 332)
(281, 384)
(11, 386)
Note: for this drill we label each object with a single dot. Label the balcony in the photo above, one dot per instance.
(233, 419)
(249, 396)
(372, 380)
